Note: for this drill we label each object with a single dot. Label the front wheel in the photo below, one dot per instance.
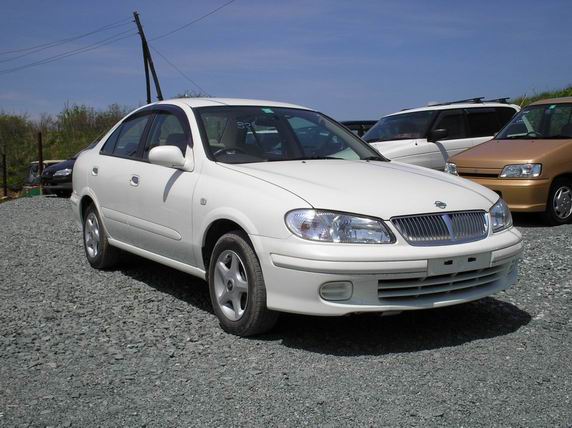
(559, 204)
(236, 287)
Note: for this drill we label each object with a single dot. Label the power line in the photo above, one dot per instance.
(168, 33)
(112, 39)
(68, 39)
(179, 70)
(33, 51)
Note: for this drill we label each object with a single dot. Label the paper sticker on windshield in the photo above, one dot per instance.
(552, 106)
(267, 110)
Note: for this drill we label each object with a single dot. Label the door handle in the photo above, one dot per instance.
(94, 170)
(134, 180)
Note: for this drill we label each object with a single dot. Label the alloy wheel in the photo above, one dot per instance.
(562, 202)
(231, 285)
(92, 235)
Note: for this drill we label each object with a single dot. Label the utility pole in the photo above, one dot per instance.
(148, 62)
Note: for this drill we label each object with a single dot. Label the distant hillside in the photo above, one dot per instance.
(524, 100)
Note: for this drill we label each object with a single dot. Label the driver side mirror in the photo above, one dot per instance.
(171, 157)
(437, 134)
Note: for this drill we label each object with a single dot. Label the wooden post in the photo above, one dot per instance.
(4, 175)
(40, 159)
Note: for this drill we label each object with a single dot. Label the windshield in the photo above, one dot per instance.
(261, 134)
(547, 121)
(403, 126)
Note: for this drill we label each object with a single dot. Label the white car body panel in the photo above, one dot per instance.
(166, 217)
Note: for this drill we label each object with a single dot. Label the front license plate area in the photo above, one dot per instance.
(448, 265)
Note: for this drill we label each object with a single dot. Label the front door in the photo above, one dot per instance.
(163, 197)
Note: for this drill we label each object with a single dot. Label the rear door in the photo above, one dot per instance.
(483, 123)
(110, 178)
(456, 141)
(162, 200)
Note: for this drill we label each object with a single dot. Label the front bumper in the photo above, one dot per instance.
(384, 278)
(520, 195)
(57, 184)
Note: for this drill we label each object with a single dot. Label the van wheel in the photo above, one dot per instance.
(99, 253)
(236, 287)
(559, 205)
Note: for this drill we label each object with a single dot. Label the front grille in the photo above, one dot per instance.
(443, 229)
(417, 288)
(478, 175)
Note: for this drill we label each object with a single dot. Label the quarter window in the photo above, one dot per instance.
(454, 122)
(130, 136)
(167, 130)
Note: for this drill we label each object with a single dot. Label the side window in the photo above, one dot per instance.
(130, 136)
(505, 114)
(483, 122)
(109, 145)
(454, 122)
(167, 130)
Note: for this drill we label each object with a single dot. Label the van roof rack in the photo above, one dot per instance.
(466, 100)
(503, 100)
(477, 100)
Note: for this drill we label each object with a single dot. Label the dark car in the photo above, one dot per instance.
(57, 179)
(359, 127)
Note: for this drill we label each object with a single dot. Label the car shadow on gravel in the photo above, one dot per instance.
(365, 334)
(528, 220)
(164, 279)
(412, 331)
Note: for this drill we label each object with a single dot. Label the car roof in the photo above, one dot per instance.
(213, 102)
(453, 106)
(560, 100)
(47, 161)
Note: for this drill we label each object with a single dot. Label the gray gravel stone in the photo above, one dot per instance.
(139, 346)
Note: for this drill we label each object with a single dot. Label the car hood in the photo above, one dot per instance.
(496, 154)
(59, 166)
(380, 189)
(390, 147)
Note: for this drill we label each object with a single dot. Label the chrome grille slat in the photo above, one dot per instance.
(441, 279)
(419, 288)
(442, 229)
(475, 282)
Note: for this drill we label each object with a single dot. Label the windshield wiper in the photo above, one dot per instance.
(373, 158)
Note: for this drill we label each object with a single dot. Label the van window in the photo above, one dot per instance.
(483, 122)
(454, 122)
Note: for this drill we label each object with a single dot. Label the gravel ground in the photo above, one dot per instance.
(139, 346)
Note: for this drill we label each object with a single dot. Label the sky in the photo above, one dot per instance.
(349, 59)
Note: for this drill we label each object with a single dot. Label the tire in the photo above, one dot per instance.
(99, 253)
(559, 204)
(236, 287)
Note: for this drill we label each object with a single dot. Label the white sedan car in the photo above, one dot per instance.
(280, 208)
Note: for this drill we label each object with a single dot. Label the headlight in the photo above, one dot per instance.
(524, 170)
(63, 172)
(500, 216)
(331, 226)
(451, 168)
